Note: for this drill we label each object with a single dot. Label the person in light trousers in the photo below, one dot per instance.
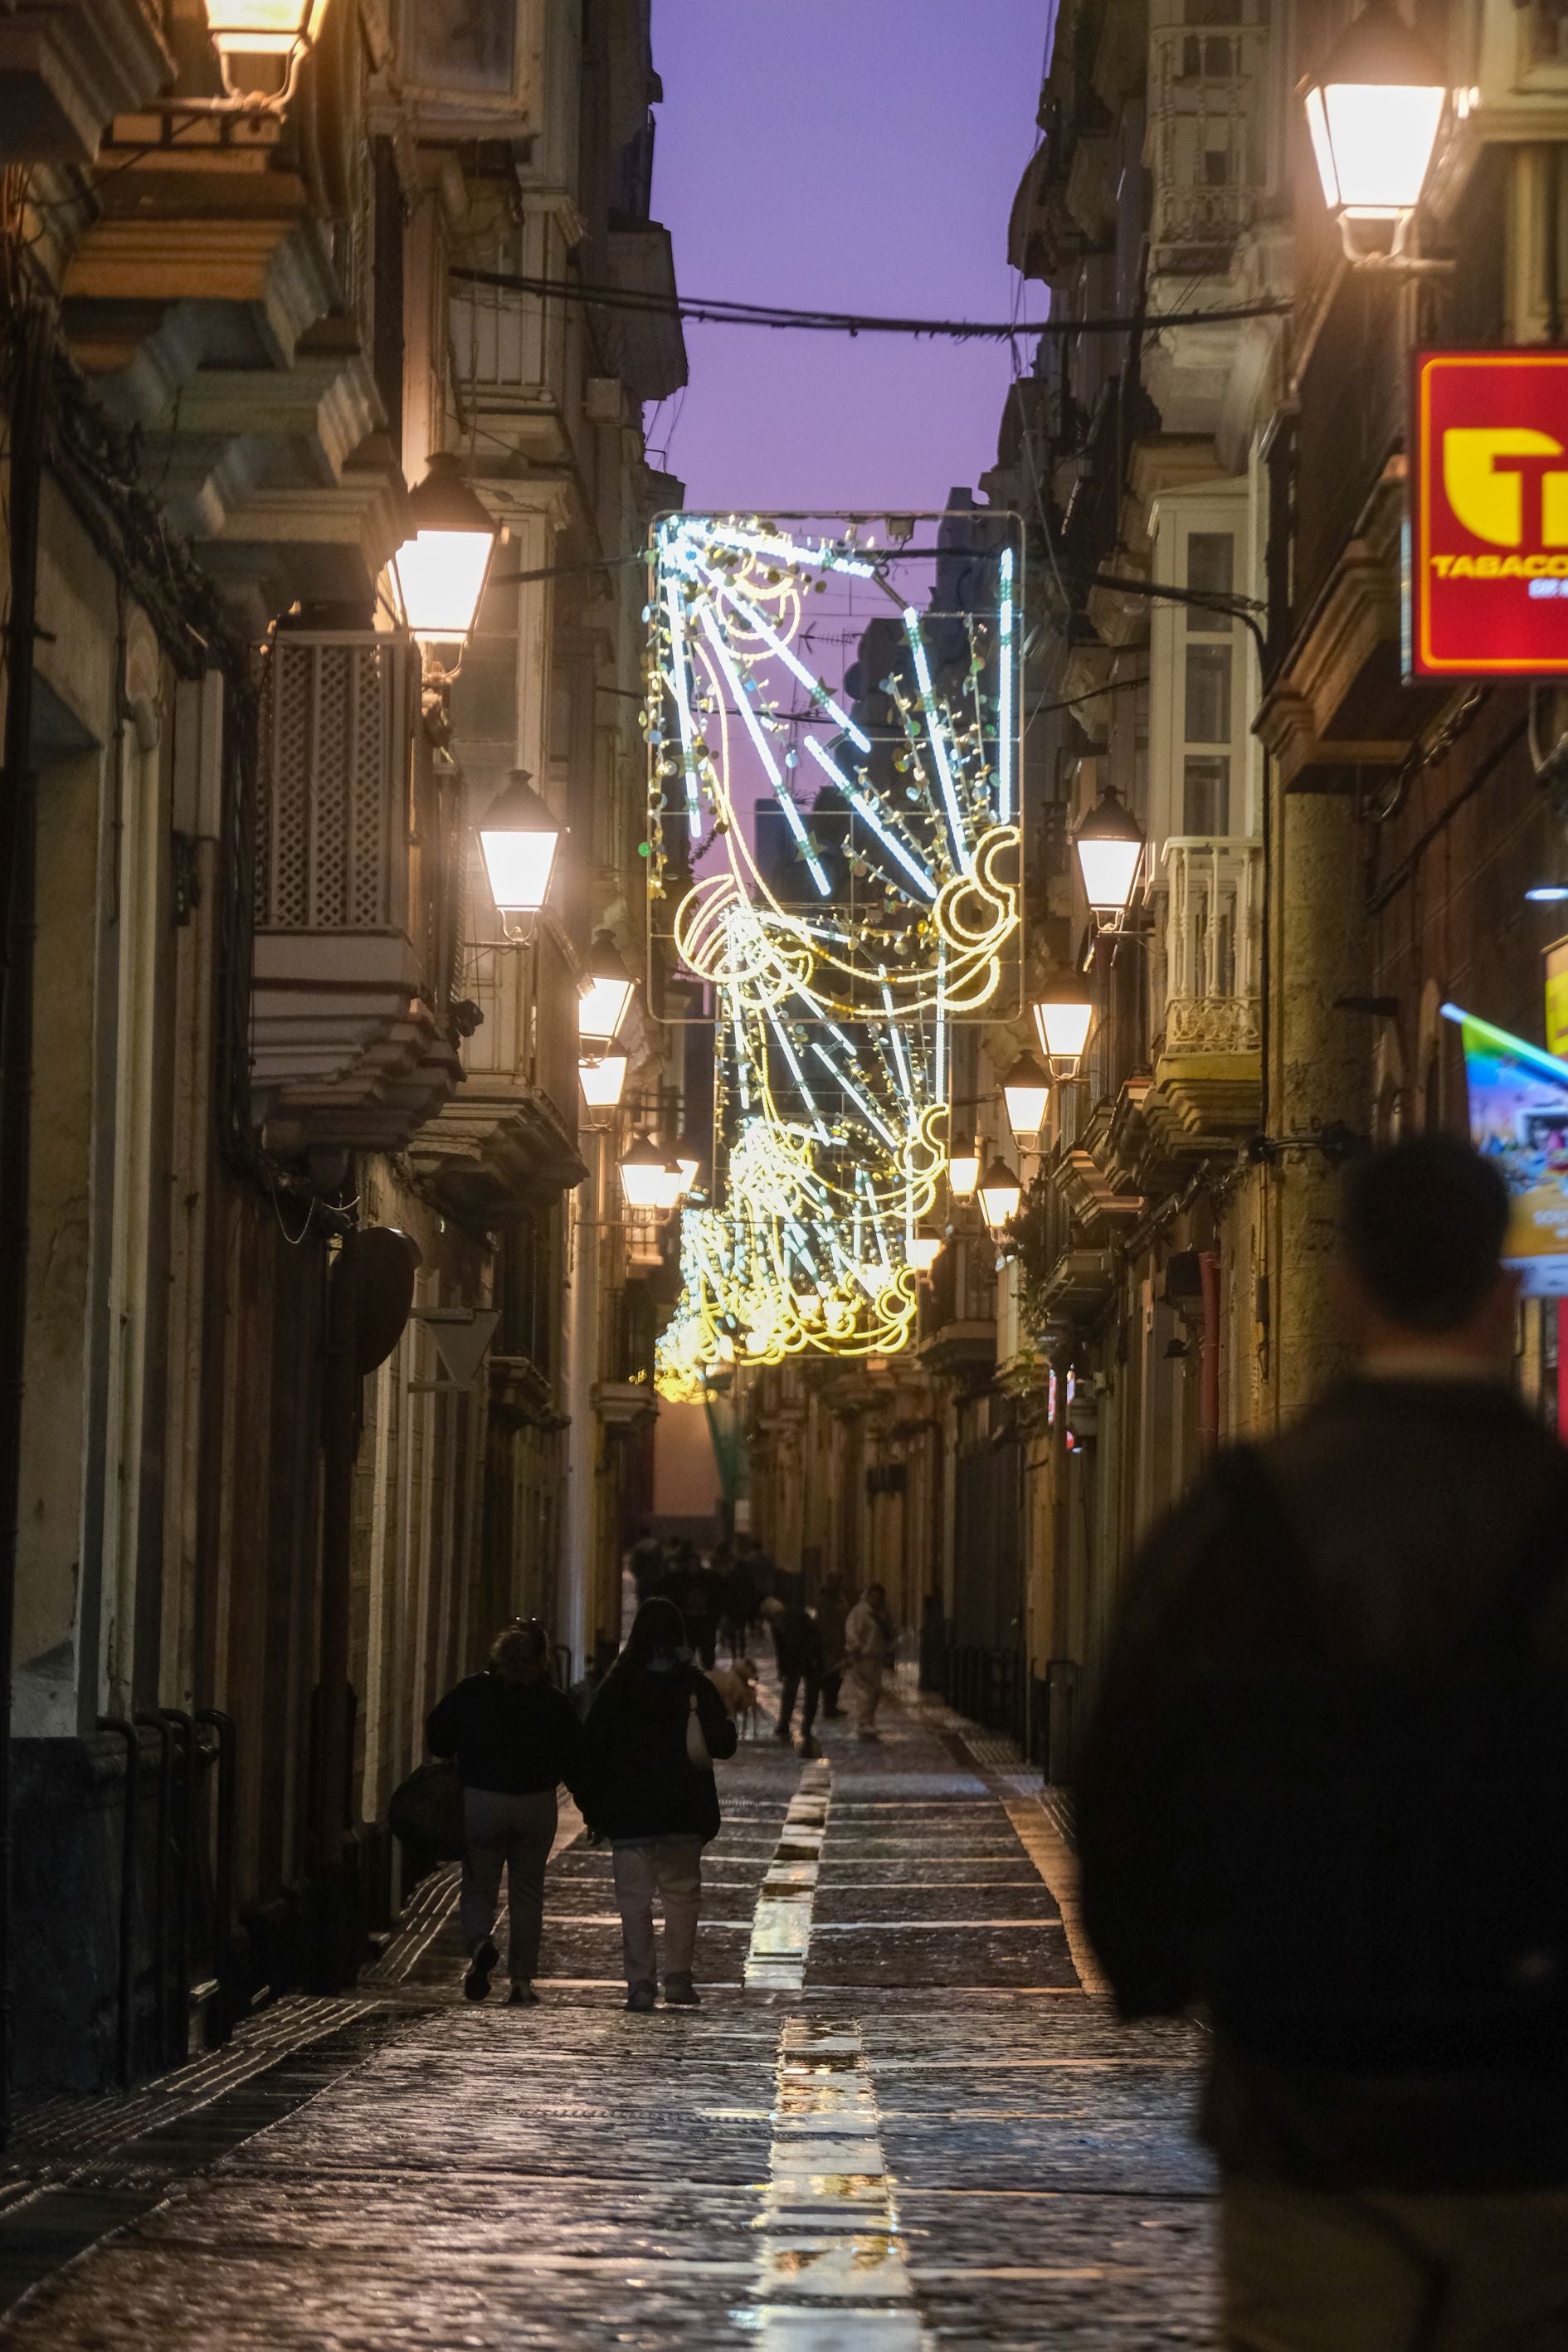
(516, 1737)
(649, 1792)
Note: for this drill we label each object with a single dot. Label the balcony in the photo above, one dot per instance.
(1205, 143)
(957, 1321)
(358, 830)
(67, 67)
(1206, 993)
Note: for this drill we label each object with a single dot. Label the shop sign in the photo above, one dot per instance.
(1519, 1120)
(1489, 492)
(1557, 999)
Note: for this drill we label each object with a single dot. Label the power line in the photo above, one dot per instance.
(725, 313)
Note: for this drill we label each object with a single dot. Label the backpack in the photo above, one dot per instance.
(1369, 1862)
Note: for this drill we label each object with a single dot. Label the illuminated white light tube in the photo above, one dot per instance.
(741, 1072)
(785, 550)
(715, 637)
(682, 708)
(797, 1072)
(940, 1088)
(776, 645)
(937, 743)
(1004, 695)
(867, 815)
(872, 1119)
(898, 1044)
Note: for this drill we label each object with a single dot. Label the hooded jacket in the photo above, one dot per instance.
(638, 1779)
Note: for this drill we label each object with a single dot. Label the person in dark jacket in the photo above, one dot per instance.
(516, 1737)
(797, 1647)
(642, 1791)
(1325, 1795)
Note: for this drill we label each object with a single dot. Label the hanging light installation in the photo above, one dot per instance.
(603, 1079)
(440, 568)
(642, 1170)
(1110, 847)
(518, 840)
(963, 1170)
(838, 963)
(1064, 1014)
(606, 991)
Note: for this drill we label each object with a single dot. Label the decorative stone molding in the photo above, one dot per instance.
(67, 67)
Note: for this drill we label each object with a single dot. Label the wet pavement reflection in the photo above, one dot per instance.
(898, 2119)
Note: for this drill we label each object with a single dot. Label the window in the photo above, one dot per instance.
(1205, 793)
(1207, 722)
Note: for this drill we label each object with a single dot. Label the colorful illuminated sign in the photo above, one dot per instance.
(1519, 1120)
(1489, 486)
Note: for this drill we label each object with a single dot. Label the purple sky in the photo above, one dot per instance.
(854, 154)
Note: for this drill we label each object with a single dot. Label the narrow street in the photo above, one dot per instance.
(900, 2118)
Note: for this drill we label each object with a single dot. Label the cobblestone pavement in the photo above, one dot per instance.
(898, 2121)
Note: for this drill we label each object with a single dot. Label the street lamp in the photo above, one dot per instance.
(1063, 1015)
(603, 1079)
(261, 46)
(1110, 845)
(924, 1248)
(1000, 1193)
(643, 1174)
(690, 1162)
(964, 1172)
(1026, 1091)
(518, 839)
(441, 568)
(1373, 112)
(607, 991)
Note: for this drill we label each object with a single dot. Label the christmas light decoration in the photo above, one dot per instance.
(835, 977)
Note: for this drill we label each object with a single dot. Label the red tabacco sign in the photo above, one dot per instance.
(1489, 486)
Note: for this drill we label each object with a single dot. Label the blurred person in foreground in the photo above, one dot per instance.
(1325, 1795)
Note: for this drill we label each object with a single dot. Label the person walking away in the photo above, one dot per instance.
(695, 1595)
(1325, 1796)
(832, 1614)
(515, 1738)
(658, 1807)
(868, 1652)
(646, 1562)
(797, 1647)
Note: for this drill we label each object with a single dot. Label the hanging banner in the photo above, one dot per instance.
(1557, 999)
(1487, 583)
(1519, 1120)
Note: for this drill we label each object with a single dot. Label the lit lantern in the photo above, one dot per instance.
(671, 1183)
(606, 991)
(519, 838)
(690, 1162)
(964, 1172)
(441, 566)
(1026, 1091)
(260, 44)
(1110, 845)
(924, 1248)
(1063, 1015)
(1373, 111)
(1000, 1193)
(603, 1079)
(643, 1174)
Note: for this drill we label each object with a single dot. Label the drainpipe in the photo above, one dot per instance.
(18, 847)
(581, 1365)
(334, 1964)
(1208, 1355)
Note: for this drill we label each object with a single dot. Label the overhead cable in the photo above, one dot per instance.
(725, 313)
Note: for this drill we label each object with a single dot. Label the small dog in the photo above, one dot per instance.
(737, 1686)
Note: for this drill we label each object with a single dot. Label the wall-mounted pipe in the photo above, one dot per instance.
(151, 1721)
(220, 2018)
(125, 2016)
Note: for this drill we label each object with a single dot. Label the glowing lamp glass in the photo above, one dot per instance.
(441, 566)
(690, 1162)
(1548, 894)
(606, 991)
(924, 1249)
(1373, 113)
(603, 1080)
(643, 1176)
(1110, 845)
(671, 1184)
(1026, 1091)
(1000, 1193)
(518, 840)
(1062, 1019)
(964, 1172)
